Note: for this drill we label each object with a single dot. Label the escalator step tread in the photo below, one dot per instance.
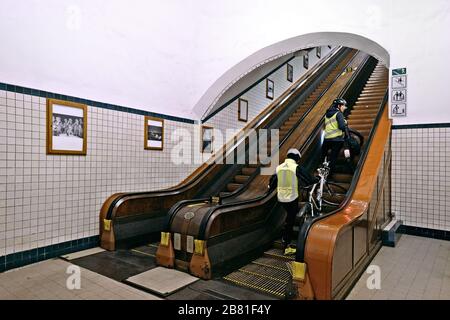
(278, 254)
(233, 186)
(248, 171)
(258, 283)
(241, 178)
(341, 177)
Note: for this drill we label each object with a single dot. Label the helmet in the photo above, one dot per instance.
(294, 152)
(339, 101)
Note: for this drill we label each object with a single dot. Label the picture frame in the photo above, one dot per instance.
(319, 52)
(289, 72)
(242, 110)
(306, 61)
(270, 89)
(66, 128)
(153, 133)
(207, 139)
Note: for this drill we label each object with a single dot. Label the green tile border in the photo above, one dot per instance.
(50, 95)
(421, 126)
(20, 259)
(425, 232)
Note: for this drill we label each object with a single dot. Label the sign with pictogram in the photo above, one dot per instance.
(398, 92)
(398, 82)
(398, 71)
(399, 110)
(399, 95)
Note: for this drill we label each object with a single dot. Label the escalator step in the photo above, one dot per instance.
(341, 177)
(364, 126)
(258, 283)
(356, 116)
(278, 274)
(277, 254)
(352, 122)
(233, 186)
(241, 178)
(248, 171)
(345, 185)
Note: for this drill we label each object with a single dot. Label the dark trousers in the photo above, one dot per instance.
(335, 147)
(291, 210)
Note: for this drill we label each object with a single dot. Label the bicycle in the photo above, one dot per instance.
(313, 207)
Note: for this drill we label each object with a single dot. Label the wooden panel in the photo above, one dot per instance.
(135, 204)
(360, 239)
(343, 256)
(323, 235)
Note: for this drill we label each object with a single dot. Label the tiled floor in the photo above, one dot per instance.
(47, 280)
(416, 269)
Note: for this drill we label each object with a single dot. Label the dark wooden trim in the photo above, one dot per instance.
(146, 146)
(318, 52)
(267, 89)
(243, 119)
(289, 66)
(49, 144)
(203, 127)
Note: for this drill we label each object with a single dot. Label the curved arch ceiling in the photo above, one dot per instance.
(279, 49)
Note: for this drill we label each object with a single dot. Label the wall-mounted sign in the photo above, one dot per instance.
(399, 95)
(398, 71)
(399, 82)
(398, 92)
(399, 109)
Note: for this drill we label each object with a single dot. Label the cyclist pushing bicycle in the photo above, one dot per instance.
(287, 178)
(319, 189)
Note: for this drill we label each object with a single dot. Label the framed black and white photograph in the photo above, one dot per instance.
(207, 139)
(66, 127)
(154, 133)
(306, 61)
(242, 110)
(270, 89)
(318, 52)
(289, 72)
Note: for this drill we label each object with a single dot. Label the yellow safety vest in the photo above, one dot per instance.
(332, 128)
(287, 181)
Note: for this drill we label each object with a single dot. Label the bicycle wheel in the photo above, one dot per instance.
(304, 212)
(335, 194)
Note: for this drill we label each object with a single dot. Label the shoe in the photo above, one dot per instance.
(289, 251)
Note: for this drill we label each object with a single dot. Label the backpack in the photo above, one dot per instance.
(353, 145)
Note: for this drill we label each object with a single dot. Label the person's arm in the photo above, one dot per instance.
(273, 182)
(341, 121)
(305, 177)
(342, 124)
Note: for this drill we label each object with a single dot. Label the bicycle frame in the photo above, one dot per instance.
(316, 203)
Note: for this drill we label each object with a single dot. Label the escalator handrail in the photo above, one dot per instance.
(303, 232)
(180, 188)
(172, 212)
(294, 126)
(288, 94)
(208, 215)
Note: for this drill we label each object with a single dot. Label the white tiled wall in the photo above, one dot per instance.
(256, 97)
(48, 199)
(421, 177)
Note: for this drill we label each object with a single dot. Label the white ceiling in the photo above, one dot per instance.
(166, 56)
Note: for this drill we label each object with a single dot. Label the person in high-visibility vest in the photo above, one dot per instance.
(336, 131)
(287, 178)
